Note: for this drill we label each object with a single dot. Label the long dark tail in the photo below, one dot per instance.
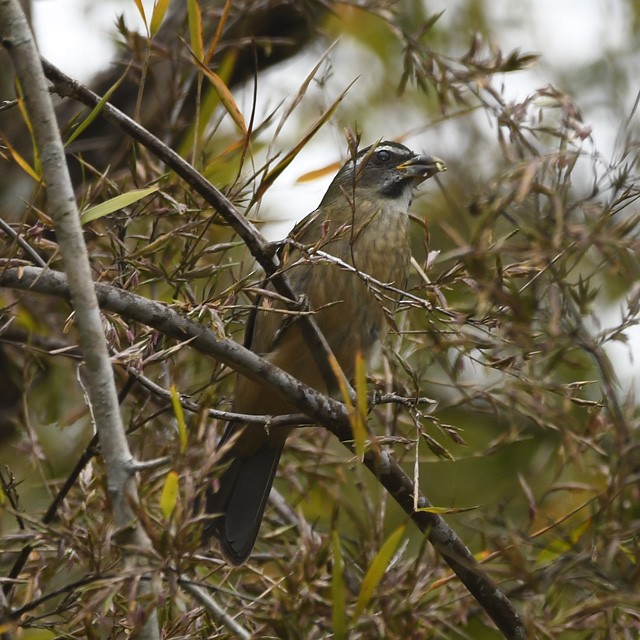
(240, 501)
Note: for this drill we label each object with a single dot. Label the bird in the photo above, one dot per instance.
(363, 222)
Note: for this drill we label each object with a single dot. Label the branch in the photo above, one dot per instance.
(215, 610)
(260, 249)
(18, 41)
(327, 412)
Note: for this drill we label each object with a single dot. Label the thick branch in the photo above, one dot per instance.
(98, 374)
(327, 412)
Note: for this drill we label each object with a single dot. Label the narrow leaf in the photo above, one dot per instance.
(444, 510)
(195, 28)
(159, 9)
(21, 162)
(216, 38)
(338, 598)
(94, 112)
(271, 176)
(27, 120)
(179, 413)
(303, 89)
(142, 13)
(376, 571)
(225, 96)
(115, 204)
(169, 496)
(560, 546)
(362, 406)
(342, 385)
(436, 447)
(329, 169)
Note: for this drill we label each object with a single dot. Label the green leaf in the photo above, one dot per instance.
(560, 546)
(376, 571)
(338, 597)
(115, 204)
(94, 112)
(440, 511)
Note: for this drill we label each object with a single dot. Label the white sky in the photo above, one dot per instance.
(77, 36)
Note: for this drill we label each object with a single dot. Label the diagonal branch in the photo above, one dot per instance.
(326, 411)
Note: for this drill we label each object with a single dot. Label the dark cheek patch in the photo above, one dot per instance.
(394, 188)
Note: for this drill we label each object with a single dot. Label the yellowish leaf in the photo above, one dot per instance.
(179, 413)
(342, 385)
(216, 38)
(159, 9)
(20, 161)
(195, 28)
(169, 496)
(444, 510)
(560, 546)
(225, 96)
(330, 169)
(142, 13)
(360, 419)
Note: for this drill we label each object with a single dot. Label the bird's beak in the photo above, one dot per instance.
(421, 167)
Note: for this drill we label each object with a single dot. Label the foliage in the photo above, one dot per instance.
(528, 444)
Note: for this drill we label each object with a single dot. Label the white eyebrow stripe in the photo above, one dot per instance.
(391, 148)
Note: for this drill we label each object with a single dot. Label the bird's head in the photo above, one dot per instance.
(386, 170)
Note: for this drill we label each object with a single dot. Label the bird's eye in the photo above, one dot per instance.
(383, 155)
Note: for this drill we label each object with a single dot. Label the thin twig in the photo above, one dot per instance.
(216, 611)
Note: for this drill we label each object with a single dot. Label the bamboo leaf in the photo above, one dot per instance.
(224, 94)
(21, 162)
(179, 413)
(195, 28)
(342, 385)
(27, 121)
(560, 546)
(115, 204)
(338, 592)
(362, 406)
(271, 176)
(376, 571)
(304, 87)
(329, 169)
(216, 38)
(142, 13)
(444, 510)
(169, 496)
(94, 112)
(159, 10)
(436, 447)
